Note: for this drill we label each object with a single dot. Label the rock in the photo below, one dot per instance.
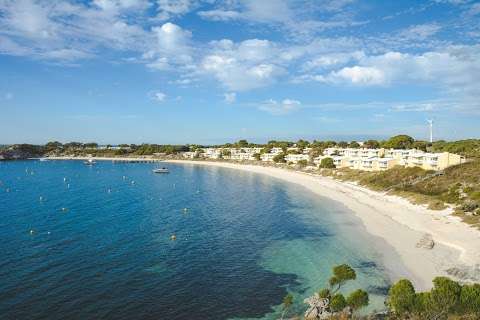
(426, 242)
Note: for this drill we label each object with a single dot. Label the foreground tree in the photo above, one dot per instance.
(402, 298)
(358, 299)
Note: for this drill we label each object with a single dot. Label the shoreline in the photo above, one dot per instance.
(398, 222)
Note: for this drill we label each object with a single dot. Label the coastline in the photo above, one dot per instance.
(395, 220)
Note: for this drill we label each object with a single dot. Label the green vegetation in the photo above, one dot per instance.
(398, 142)
(287, 303)
(327, 163)
(447, 300)
(279, 158)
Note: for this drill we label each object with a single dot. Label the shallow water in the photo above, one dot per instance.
(243, 243)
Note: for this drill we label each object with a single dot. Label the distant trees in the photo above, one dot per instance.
(327, 163)
(354, 144)
(371, 144)
(399, 142)
(53, 146)
(257, 156)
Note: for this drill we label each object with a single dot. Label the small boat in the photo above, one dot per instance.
(43, 159)
(161, 170)
(89, 162)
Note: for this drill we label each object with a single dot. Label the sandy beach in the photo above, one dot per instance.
(399, 223)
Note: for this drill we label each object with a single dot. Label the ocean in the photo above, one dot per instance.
(95, 242)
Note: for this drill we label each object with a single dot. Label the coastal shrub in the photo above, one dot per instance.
(444, 297)
(287, 303)
(257, 156)
(327, 163)
(302, 163)
(357, 299)
(279, 158)
(401, 297)
(324, 293)
(338, 302)
(470, 299)
(341, 274)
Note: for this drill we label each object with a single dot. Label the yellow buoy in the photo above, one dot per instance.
(173, 237)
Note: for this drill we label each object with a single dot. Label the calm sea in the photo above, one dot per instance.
(94, 242)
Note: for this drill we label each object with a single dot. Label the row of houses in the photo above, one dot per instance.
(360, 159)
(383, 159)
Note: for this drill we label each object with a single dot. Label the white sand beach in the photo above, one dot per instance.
(400, 223)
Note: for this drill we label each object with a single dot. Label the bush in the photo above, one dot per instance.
(401, 297)
(444, 296)
(357, 299)
(302, 163)
(470, 299)
(327, 163)
(338, 302)
(279, 158)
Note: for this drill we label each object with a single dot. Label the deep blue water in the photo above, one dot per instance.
(243, 243)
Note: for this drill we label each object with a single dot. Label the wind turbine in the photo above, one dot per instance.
(430, 123)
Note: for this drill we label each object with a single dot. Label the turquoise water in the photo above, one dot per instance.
(244, 241)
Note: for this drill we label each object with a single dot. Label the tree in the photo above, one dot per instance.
(327, 163)
(341, 274)
(287, 303)
(53, 146)
(354, 144)
(242, 143)
(324, 293)
(420, 145)
(302, 144)
(257, 156)
(343, 144)
(279, 158)
(338, 302)
(399, 142)
(401, 297)
(372, 144)
(357, 299)
(444, 296)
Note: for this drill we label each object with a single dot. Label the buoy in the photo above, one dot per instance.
(185, 209)
(32, 231)
(109, 190)
(8, 190)
(124, 177)
(64, 209)
(173, 237)
(133, 182)
(48, 232)
(41, 198)
(64, 179)
(68, 185)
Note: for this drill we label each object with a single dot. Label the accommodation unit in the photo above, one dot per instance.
(296, 157)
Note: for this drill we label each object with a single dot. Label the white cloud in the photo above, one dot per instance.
(419, 32)
(168, 9)
(242, 66)
(158, 96)
(230, 97)
(357, 75)
(279, 107)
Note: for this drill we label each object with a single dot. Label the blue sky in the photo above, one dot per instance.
(193, 71)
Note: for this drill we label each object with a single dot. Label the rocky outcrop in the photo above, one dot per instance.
(21, 151)
(426, 242)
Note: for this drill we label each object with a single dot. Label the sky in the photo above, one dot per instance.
(207, 71)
